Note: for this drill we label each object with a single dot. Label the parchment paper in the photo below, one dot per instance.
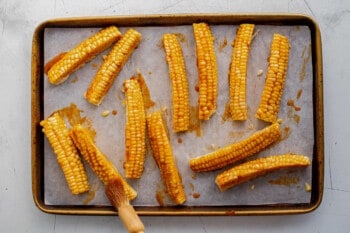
(149, 58)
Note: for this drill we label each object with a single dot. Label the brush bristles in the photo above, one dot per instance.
(115, 192)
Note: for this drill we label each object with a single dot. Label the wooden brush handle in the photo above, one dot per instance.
(131, 220)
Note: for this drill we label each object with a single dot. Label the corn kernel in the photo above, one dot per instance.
(105, 113)
(135, 130)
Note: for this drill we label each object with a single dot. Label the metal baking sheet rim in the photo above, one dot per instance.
(167, 20)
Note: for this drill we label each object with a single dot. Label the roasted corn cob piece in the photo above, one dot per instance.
(177, 73)
(82, 53)
(163, 155)
(98, 162)
(135, 129)
(258, 167)
(207, 70)
(238, 71)
(237, 151)
(274, 84)
(111, 66)
(68, 158)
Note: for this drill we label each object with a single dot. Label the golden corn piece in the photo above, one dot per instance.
(238, 71)
(207, 70)
(163, 155)
(274, 84)
(111, 66)
(177, 73)
(98, 162)
(237, 151)
(82, 53)
(135, 129)
(68, 158)
(258, 167)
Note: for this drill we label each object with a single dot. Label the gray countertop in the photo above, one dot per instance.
(18, 213)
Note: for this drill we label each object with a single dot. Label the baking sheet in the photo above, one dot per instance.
(149, 58)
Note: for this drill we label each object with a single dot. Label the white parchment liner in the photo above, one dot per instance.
(149, 58)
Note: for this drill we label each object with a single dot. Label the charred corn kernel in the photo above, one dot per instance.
(111, 66)
(135, 129)
(258, 167)
(177, 72)
(207, 70)
(163, 155)
(68, 158)
(238, 71)
(275, 78)
(237, 151)
(82, 53)
(98, 162)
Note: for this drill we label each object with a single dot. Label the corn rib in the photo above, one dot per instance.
(98, 162)
(68, 158)
(207, 70)
(82, 53)
(135, 130)
(177, 73)
(237, 151)
(238, 71)
(111, 66)
(276, 74)
(163, 155)
(259, 167)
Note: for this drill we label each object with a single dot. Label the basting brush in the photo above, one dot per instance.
(116, 195)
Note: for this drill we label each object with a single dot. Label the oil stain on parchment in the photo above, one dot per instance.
(195, 123)
(306, 61)
(285, 180)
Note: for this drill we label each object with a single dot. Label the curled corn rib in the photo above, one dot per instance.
(258, 167)
(82, 53)
(237, 151)
(207, 70)
(163, 155)
(111, 66)
(98, 161)
(238, 71)
(135, 129)
(68, 158)
(177, 72)
(275, 78)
